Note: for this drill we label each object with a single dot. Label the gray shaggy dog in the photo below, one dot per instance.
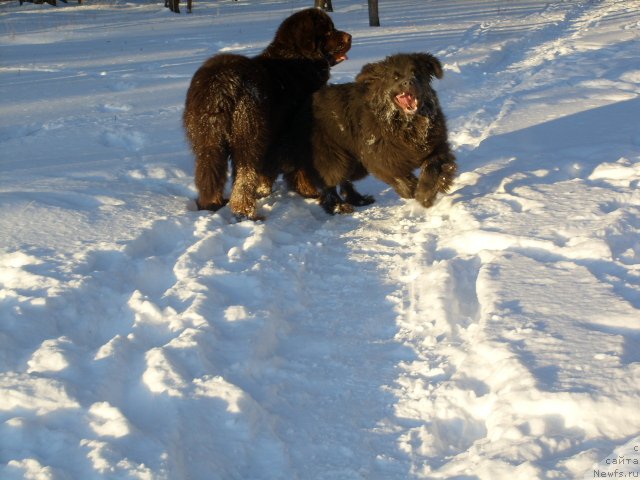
(387, 123)
(237, 107)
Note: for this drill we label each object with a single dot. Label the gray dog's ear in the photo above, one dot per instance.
(369, 73)
(429, 63)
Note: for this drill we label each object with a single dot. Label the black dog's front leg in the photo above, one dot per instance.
(332, 203)
(353, 197)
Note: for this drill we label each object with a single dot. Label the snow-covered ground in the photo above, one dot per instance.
(494, 336)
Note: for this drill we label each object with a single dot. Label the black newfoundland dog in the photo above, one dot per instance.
(237, 107)
(388, 123)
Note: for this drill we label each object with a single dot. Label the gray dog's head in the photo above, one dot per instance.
(400, 85)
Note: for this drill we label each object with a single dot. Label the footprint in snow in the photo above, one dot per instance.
(114, 108)
(120, 138)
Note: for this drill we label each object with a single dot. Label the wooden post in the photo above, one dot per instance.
(374, 18)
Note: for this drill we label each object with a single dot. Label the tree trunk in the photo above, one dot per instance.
(374, 18)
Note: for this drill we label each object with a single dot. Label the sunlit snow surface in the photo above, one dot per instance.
(493, 336)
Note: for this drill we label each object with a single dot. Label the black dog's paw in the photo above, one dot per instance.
(263, 190)
(342, 208)
(353, 197)
(332, 203)
(363, 200)
(213, 207)
(254, 218)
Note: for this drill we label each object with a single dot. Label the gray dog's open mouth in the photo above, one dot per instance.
(407, 102)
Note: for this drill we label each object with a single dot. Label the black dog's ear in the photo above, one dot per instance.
(369, 73)
(429, 63)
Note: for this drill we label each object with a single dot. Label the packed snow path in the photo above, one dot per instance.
(493, 336)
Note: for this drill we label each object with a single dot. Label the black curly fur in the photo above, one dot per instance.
(237, 107)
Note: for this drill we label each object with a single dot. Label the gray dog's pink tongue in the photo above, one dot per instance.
(407, 102)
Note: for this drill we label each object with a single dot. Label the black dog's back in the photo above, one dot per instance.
(237, 107)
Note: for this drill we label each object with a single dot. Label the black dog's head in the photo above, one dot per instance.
(310, 34)
(401, 83)
(336, 46)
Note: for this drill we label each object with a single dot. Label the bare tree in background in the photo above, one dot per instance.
(374, 18)
(50, 2)
(324, 4)
(174, 5)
